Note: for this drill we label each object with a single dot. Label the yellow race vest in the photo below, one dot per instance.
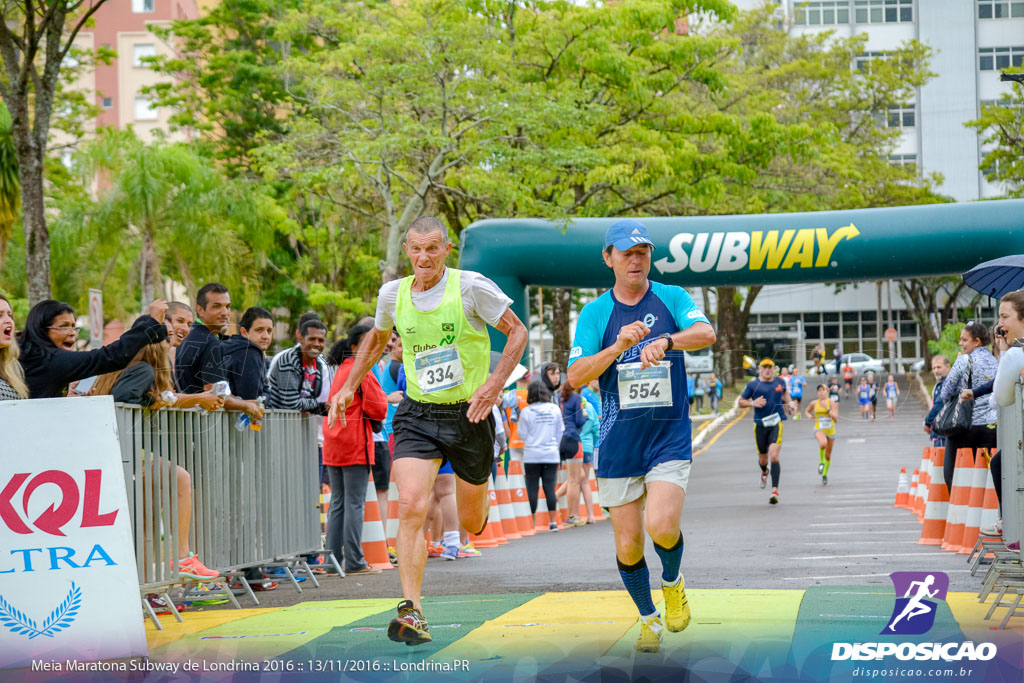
(445, 358)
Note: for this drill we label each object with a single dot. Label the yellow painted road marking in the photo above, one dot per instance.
(724, 430)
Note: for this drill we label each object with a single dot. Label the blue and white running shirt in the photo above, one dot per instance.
(634, 440)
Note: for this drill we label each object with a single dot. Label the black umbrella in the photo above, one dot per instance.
(998, 277)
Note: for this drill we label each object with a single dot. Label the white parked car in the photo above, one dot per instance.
(860, 362)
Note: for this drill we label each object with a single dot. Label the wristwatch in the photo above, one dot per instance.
(667, 337)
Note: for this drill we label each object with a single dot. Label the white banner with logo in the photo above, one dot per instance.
(68, 582)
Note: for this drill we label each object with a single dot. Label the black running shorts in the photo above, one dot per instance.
(764, 436)
(430, 431)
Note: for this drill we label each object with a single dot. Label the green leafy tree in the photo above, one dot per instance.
(1002, 128)
(165, 212)
(35, 39)
(10, 188)
(948, 343)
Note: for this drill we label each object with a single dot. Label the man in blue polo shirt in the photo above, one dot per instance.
(770, 400)
(631, 339)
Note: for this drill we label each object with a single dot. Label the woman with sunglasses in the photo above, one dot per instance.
(48, 342)
(979, 363)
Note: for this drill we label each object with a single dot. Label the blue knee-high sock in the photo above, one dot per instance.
(671, 558)
(637, 580)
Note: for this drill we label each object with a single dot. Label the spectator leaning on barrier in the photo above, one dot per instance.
(12, 377)
(48, 341)
(147, 382)
(245, 354)
(199, 361)
(349, 456)
(179, 321)
(297, 378)
(940, 368)
(979, 362)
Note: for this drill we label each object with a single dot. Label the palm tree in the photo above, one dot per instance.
(10, 187)
(173, 212)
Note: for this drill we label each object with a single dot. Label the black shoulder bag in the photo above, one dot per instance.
(956, 416)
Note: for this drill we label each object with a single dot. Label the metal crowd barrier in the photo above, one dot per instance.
(1011, 445)
(255, 494)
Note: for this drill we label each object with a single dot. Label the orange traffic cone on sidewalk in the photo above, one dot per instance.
(990, 507)
(505, 508)
(595, 496)
(375, 543)
(934, 525)
(975, 503)
(520, 501)
(902, 489)
(959, 499)
(914, 479)
(391, 526)
(492, 534)
(924, 480)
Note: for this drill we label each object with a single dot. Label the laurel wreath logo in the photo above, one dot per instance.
(60, 618)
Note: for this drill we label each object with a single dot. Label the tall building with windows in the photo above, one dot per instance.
(972, 40)
(124, 26)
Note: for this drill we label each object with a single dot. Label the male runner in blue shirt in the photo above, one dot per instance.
(632, 339)
(771, 401)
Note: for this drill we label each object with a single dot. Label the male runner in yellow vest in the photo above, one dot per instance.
(442, 315)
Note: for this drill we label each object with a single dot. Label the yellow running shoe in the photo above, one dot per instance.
(677, 607)
(650, 635)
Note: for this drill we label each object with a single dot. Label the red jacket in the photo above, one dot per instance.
(353, 443)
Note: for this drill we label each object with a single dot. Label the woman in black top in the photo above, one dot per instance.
(48, 341)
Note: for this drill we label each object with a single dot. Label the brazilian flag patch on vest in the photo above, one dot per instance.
(447, 327)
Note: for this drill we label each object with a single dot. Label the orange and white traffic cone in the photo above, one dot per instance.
(902, 489)
(391, 527)
(520, 501)
(976, 503)
(374, 541)
(934, 524)
(563, 502)
(543, 518)
(595, 496)
(492, 534)
(959, 499)
(924, 480)
(914, 479)
(505, 508)
(990, 506)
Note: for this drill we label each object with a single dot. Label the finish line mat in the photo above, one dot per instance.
(769, 635)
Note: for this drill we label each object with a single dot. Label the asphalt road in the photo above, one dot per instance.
(845, 533)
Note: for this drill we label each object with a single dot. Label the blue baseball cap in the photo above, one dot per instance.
(624, 235)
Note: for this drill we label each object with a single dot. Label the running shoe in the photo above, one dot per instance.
(434, 550)
(469, 551)
(552, 526)
(775, 497)
(1013, 546)
(192, 568)
(649, 639)
(206, 596)
(409, 626)
(677, 607)
(821, 468)
(159, 604)
(824, 479)
(450, 552)
(574, 521)
(279, 571)
(764, 479)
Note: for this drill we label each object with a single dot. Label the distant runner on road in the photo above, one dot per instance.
(824, 413)
(632, 339)
(770, 400)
